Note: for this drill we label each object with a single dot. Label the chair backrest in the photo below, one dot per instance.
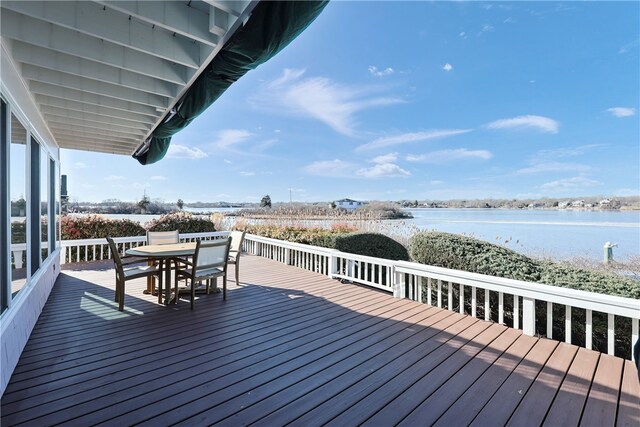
(237, 237)
(116, 255)
(162, 237)
(211, 254)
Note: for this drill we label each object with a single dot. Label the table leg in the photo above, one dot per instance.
(150, 280)
(167, 280)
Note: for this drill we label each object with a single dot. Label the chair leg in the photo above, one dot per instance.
(193, 294)
(237, 272)
(117, 290)
(224, 288)
(121, 299)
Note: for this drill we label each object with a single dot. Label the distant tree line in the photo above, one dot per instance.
(599, 202)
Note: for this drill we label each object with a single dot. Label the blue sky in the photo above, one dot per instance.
(413, 100)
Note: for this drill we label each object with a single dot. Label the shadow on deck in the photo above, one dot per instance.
(293, 347)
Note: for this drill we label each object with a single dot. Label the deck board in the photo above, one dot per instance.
(293, 347)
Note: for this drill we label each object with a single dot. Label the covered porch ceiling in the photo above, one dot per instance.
(104, 74)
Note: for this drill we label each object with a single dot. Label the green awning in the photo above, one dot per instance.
(271, 27)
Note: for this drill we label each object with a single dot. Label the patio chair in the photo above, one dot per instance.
(209, 262)
(125, 271)
(237, 237)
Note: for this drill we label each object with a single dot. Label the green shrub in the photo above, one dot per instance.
(369, 244)
(309, 236)
(19, 232)
(184, 222)
(465, 253)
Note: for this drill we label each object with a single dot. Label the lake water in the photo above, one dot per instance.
(558, 234)
(553, 233)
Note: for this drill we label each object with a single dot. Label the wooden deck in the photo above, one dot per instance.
(294, 347)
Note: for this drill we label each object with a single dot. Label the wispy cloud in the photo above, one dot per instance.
(629, 46)
(570, 184)
(380, 73)
(231, 137)
(330, 168)
(462, 35)
(114, 178)
(386, 158)
(404, 138)
(320, 98)
(543, 124)
(563, 152)
(509, 20)
(177, 151)
(487, 28)
(383, 170)
(446, 156)
(622, 111)
(227, 161)
(158, 178)
(553, 167)
(245, 173)
(447, 67)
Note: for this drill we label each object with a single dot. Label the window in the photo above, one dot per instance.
(34, 206)
(44, 204)
(17, 196)
(56, 198)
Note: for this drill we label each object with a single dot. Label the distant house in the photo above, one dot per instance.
(563, 204)
(577, 204)
(604, 202)
(348, 204)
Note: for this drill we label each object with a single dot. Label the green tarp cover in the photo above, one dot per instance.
(271, 27)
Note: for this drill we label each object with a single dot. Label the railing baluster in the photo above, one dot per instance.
(473, 301)
(549, 320)
(461, 299)
(567, 324)
(588, 339)
(450, 296)
(429, 290)
(419, 288)
(487, 307)
(439, 293)
(501, 308)
(516, 312)
(634, 336)
(610, 334)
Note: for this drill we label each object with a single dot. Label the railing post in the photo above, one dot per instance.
(333, 270)
(528, 316)
(398, 284)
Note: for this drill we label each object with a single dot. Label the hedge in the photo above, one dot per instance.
(369, 244)
(468, 254)
(184, 222)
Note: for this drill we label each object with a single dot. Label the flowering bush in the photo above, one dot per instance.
(97, 226)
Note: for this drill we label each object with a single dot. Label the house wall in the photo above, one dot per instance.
(21, 306)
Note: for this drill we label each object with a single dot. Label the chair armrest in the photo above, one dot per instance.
(132, 259)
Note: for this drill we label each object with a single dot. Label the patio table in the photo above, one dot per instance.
(164, 253)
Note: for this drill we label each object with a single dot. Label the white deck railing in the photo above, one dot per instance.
(423, 283)
(427, 284)
(98, 249)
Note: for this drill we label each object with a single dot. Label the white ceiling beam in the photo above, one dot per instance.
(33, 31)
(173, 16)
(95, 146)
(220, 21)
(90, 98)
(33, 73)
(94, 118)
(234, 8)
(47, 58)
(83, 121)
(60, 133)
(90, 129)
(103, 23)
(48, 102)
